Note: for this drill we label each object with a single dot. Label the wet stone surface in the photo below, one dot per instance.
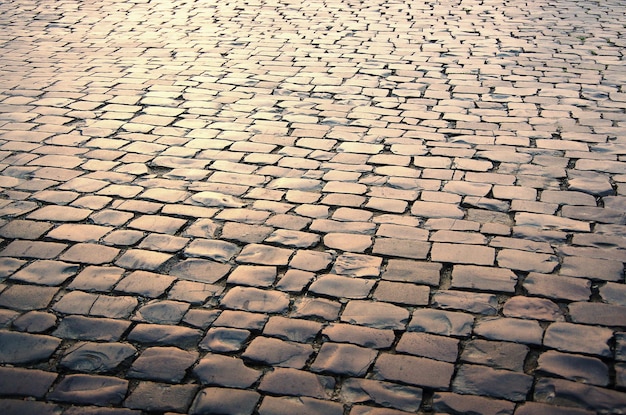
(322, 207)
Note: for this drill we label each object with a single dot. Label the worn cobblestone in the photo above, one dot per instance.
(327, 207)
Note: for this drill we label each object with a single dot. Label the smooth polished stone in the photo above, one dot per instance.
(92, 357)
(225, 371)
(90, 389)
(167, 364)
(23, 348)
(375, 314)
(486, 381)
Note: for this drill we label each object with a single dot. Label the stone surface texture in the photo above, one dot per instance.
(324, 207)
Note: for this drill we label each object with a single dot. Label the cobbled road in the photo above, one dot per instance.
(330, 207)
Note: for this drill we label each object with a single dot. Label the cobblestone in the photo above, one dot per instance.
(324, 208)
(158, 397)
(91, 357)
(413, 370)
(90, 389)
(225, 371)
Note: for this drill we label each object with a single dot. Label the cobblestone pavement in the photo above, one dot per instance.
(319, 207)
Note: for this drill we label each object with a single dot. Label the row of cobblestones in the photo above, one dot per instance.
(332, 207)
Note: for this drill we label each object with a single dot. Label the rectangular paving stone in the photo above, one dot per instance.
(91, 328)
(593, 253)
(592, 268)
(297, 330)
(199, 270)
(17, 406)
(447, 323)
(58, 161)
(46, 272)
(436, 210)
(195, 292)
(549, 222)
(89, 253)
(158, 224)
(152, 396)
(363, 336)
(573, 367)
(497, 354)
(375, 314)
(60, 214)
(596, 214)
(341, 287)
(586, 396)
(219, 251)
(402, 232)
(27, 297)
(486, 381)
(224, 371)
(241, 319)
(188, 211)
(25, 382)
(120, 190)
(427, 345)
(462, 254)
(332, 226)
(165, 243)
(597, 313)
(451, 236)
(418, 272)
(24, 229)
(558, 287)
(465, 300)
(613, 293)
(25, 348)
(17, 208)
(510, 329)
(387, 394)
(402, 293)
(401, 248)
(483, 278)
(90, 389)
(216, 400)
(414, 370)
(165, 335)
(33, 249)
(354, 360)
(141, 259)
(293, 382)
(264, 255)
(453, 402)
(134, 205)
(278, 353)
(255, 300)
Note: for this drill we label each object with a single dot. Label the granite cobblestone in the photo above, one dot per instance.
(330, 207)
